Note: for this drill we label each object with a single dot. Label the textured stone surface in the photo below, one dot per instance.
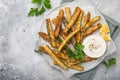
(18, 34)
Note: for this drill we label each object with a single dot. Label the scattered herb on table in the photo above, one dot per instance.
(109, 63)
(42, 5)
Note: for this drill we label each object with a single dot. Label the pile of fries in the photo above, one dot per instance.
(69, 30)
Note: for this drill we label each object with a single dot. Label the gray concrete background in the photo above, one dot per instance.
(18, 34)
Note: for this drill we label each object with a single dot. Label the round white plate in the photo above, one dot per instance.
(86, 7)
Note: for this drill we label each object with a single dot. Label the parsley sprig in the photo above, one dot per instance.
(78, 53)
(109, 63)
(42, 5)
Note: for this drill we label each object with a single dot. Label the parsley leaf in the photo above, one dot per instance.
(109, 63)
(36, 1)
(79, 46)
(70, 53)
(47, 4)
(42, 6)
(78, 53)
(42, 10)
(32, 11)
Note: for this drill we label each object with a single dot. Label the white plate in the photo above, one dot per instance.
(86, 7)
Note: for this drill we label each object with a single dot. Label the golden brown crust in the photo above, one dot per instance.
(73, 19)
(86, 59)
(54, 57)
(44, 36)
(77, 67)
(58, 25)
(68, 13)
(68, 38)
(79, 20)
(50, 32)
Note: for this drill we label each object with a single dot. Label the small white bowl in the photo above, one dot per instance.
(94, 46)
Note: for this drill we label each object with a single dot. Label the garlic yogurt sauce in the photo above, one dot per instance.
(94, 46)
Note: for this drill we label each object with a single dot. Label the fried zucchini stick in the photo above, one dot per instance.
(50, 32)
(72, 62)
(62, 33)
(91, 22)
(68, 16)
(68, 38)
(73, 19)
(79, 20)
(77, 67)
(68, 13)
(42, 49)
(61, 55)
(65, 22)
(55, 21)
(44, 36)
(50, 52)
(58, 54)
(92, 29)
(57, 28)
(86, 19)
(86, 59)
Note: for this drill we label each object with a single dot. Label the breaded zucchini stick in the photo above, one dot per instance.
(50, 32)
(73, 19)
(68, 38)
(79, 20)
(77, 67)
(68, 13)
(42, 49)
(54, 57)
(44, 36)
(92, 29)
(91, 22)
(58, 54)
(55, 21)
(57, 28)
(86, 19)
(65, 22)
(61, 55)
(86, 59)
(62, 33)
(72, 62)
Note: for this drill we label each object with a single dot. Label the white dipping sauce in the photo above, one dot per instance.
(94, 46)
